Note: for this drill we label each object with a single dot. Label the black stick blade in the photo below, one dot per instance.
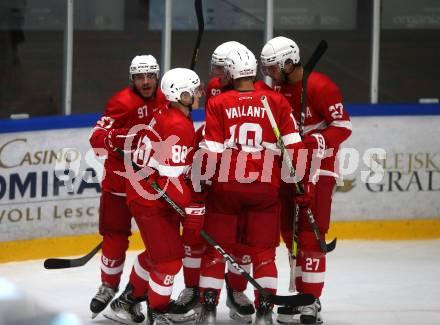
(301, 299)
(57, 263)
(64, 263)
(332, 245)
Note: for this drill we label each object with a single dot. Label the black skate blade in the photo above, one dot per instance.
(302, 299)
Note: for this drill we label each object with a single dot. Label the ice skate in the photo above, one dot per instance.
(264, 313)
(208, 315)
(311, 314)
(187, 307)
(126, 309)
(241, 308)
(102, 298)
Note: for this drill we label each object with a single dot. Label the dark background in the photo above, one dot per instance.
(31, 58)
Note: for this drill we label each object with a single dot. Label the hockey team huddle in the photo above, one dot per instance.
(228, 181)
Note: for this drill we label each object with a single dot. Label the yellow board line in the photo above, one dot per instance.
(386, 229)
(80, 245)
(55, 247)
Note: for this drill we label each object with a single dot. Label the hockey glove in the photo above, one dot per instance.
(115, 139)
(316, 144)
(306, 199)
(195, 217)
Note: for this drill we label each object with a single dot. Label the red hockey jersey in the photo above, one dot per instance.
(124, 110)
(238, 127)
(215, 87)
(324, 114)
(165, 153)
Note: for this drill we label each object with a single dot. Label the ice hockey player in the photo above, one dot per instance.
(166, 150)
(326, 126)
(219, 83)
(243, 208)
(187, 306)
(132, 105)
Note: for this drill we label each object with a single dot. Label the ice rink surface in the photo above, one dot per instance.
(368, 282)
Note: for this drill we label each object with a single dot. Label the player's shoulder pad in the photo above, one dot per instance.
(160, 97)
(214, 82)
(321, 82)
(124, 99)
(272, 94)
(214, 100)
(261, 85)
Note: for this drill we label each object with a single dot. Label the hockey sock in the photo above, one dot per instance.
(312, 264)
(140, 275)
(265, 272)
(161, 282)
(236, 281)
(191, 265)
(212, 272)
(113, 258)
(298, 271)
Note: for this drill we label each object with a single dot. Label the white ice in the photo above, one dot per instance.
(367, 282)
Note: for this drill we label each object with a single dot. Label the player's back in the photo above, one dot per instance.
(237, 122)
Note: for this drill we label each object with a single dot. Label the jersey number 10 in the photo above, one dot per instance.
(250, 136)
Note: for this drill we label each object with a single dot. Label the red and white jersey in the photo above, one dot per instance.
(237, 125)
(124, 110)
(167, 149)
(215, 87)
(261, 85)
(200, 134)
(324, 114)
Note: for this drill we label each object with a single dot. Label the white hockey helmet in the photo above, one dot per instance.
(177, 81)
(278, 50)
(241, 63)
(143, 64)
(219, 55)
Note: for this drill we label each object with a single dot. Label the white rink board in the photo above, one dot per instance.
(43, 209)
(412, 146)
(32, 205)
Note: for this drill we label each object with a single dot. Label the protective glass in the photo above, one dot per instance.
(217, 70)
(270, 70)
(143, 76)
(186, 97)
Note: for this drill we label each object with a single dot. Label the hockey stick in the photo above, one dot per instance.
(292, 256)
(294, 300)
(299, 186)
(201, 29)
(307, 70)
(63, 263)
